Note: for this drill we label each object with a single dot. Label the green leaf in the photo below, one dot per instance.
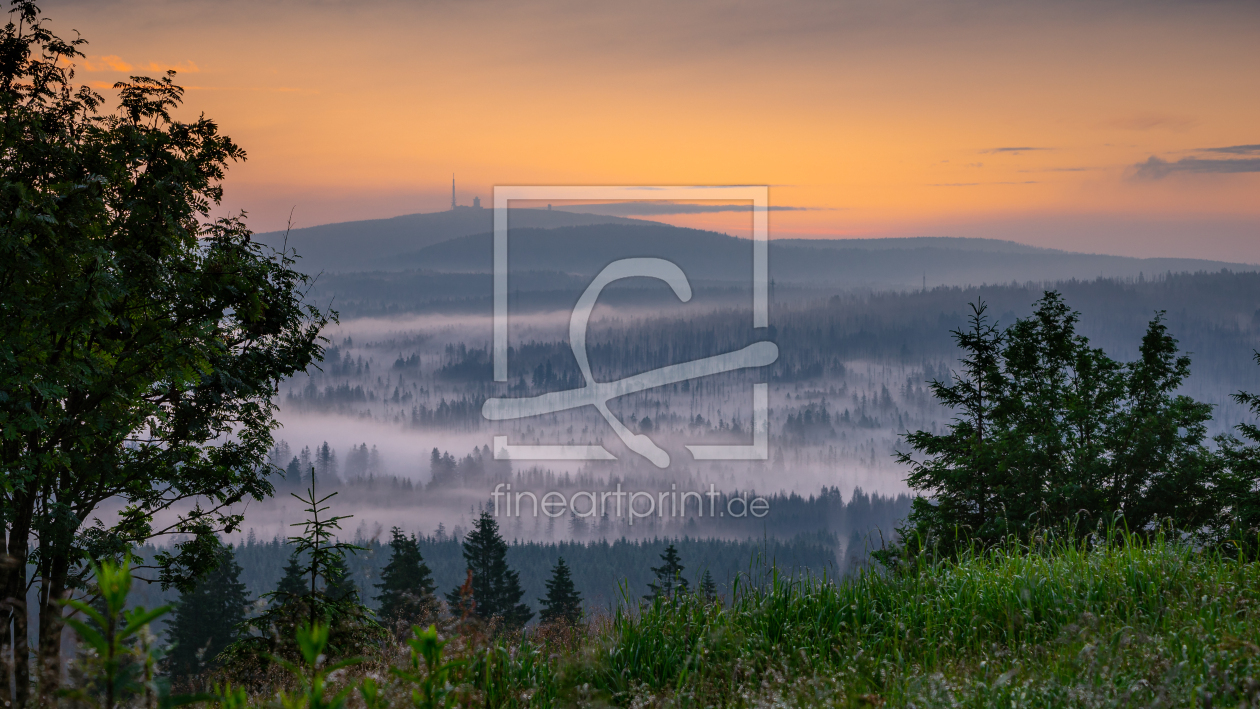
(138, 618)
(89, 635)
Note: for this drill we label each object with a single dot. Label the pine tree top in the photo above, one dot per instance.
(669, 579)
(406, 585)
(496, 588)
(708, 588)
(563, 602)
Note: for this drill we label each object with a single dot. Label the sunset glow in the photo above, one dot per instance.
(1110, 127)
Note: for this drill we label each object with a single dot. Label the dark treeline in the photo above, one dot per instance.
(790, 514)
(600, 569)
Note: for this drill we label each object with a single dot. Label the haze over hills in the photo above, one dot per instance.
(578, 244)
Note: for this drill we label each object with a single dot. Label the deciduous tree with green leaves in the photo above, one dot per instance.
(141, 342)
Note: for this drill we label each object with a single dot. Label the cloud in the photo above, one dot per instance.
(1016, 150)
(113, 62)
(649, 209)
(1155, 168)
(1234, 150)
(185, 67)
(109, 62)
(1152, 121)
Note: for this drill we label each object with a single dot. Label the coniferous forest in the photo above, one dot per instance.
(232, 480)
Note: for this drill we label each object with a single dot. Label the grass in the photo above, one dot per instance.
(1124, 622)
(1119, 622)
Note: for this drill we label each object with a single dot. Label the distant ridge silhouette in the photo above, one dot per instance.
(707, 255)
(460, 241)
(373, 243)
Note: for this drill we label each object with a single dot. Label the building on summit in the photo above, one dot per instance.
(455, 205)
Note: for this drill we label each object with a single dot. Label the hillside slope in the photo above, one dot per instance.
(706, 255)
(372, 244)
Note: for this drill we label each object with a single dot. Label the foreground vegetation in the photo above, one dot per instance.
(1107, 621)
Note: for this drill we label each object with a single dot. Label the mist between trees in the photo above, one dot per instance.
(460, 486)
(852, 375)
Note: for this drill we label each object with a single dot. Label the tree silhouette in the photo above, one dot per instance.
(496, 589)
(1051, 432)
(669, 579)
(316, 588)
(206, 620)
(708, 589)
(292, 583)
(144, 339)
(964, 463)
(563, 603)
(406, 585)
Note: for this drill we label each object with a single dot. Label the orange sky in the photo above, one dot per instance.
(881, 118)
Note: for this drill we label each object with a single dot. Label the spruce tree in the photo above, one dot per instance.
(669, 579)
(1050, 432)
(406, 585)
(963, 465)
(293, 584)
(339, 586)
(1237, 527)
(316, 588)
(293, 473)
(563, 603)
(206, 619)
(708, 589)
(496, 589)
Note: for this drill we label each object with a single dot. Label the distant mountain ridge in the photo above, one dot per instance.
(957, 243)
(707, 255)
(372, 244)
(578, 245)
